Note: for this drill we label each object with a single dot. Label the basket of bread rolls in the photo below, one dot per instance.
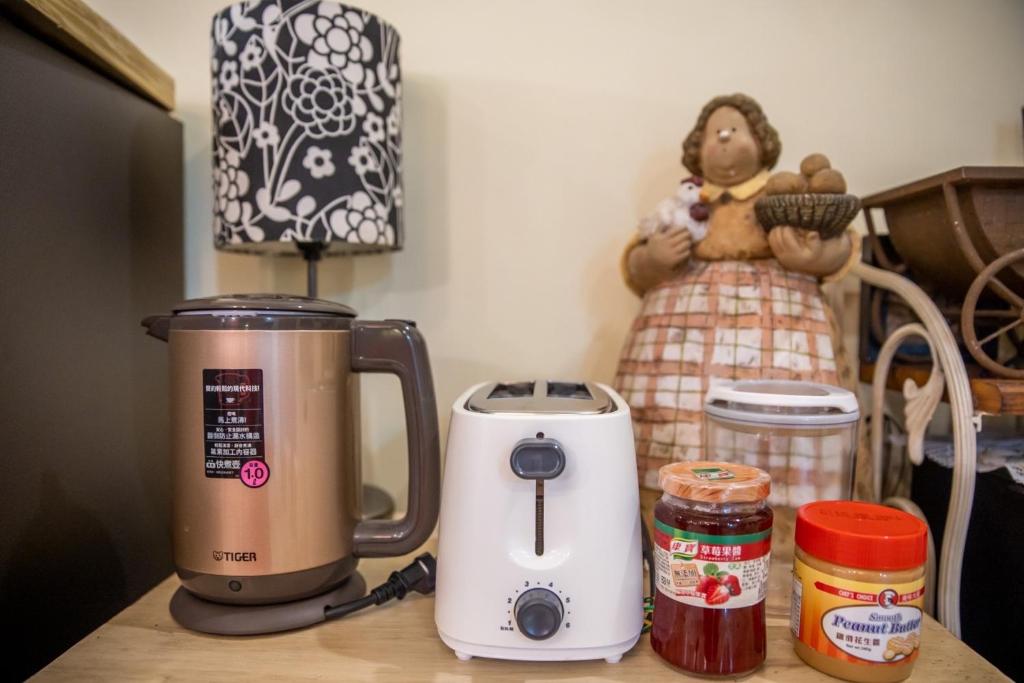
(813, 199)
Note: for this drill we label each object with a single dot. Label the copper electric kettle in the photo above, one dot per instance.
(265, 444)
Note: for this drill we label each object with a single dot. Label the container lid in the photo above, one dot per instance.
(863, 535)
(715, 482)
(782, 402)
(546, 397)
(266, 304)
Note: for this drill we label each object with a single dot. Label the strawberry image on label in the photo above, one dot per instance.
(733, 584)
(719, 596)
(707, 585)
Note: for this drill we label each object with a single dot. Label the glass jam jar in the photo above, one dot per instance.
(712, 543)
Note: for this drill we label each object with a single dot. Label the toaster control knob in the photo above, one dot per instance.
(538, 613)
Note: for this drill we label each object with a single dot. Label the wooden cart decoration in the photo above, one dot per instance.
(960, 235)
(954, 261)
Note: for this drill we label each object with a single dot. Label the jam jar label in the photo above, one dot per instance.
(854, 621)
(715, 572)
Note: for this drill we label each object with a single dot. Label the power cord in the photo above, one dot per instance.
(647, 547)
(419, 577)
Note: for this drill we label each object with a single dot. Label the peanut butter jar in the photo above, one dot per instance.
(858, 590)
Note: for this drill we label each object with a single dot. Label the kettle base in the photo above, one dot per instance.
(204, 616)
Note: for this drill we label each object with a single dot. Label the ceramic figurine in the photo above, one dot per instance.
(744, 302)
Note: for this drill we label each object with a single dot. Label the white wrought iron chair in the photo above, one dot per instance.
(949, 374)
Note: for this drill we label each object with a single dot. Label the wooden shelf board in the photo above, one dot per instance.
(992, 396)
(74, 26)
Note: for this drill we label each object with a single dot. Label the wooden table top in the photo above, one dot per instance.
(398, 642)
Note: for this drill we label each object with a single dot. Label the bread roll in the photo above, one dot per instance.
(813, 163)
(828, 181)
(785, 182)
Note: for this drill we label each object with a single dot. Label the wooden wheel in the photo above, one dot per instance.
(967, 314)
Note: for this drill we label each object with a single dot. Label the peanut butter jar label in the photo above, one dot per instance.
(711, 571)
(856, 622)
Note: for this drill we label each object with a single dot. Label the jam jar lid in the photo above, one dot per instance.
(715, 482)
(862, 535)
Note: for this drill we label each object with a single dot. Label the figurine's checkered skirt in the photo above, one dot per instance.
(716, 321)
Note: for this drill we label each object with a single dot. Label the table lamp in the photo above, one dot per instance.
(307, 155)
(306, 131)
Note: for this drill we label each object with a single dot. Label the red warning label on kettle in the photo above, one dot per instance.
(233, 426)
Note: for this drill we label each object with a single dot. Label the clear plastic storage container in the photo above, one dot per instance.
(803, 434)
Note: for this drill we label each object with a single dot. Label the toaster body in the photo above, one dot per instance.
(539, 549)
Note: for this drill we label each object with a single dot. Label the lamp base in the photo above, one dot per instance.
(377, 503)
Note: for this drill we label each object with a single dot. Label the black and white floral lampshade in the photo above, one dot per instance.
(307, 128)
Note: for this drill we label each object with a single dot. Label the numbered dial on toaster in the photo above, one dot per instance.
(538, 613)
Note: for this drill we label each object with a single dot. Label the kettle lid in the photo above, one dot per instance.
(285, 304)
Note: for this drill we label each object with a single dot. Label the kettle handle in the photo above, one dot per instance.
(397, 347)
(158, 326)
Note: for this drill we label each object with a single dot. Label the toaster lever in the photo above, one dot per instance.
(538, 459)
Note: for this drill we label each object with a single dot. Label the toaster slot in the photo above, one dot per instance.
(569, 390)
(512, 390)
(547, 397)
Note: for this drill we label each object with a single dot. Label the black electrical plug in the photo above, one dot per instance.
(420, 577)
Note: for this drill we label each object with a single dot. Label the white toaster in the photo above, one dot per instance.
(539, 548)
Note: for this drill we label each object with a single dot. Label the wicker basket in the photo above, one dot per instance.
(829, 214)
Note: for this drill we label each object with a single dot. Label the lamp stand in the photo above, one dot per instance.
(377, 503)
(311, 253)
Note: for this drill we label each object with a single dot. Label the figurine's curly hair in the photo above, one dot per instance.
(766, 136)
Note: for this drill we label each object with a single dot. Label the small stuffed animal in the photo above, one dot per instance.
(683, 209)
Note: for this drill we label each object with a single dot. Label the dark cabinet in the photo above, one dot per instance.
(90, 242)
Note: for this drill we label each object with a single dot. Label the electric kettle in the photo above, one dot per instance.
(265, 444)
(539, 544)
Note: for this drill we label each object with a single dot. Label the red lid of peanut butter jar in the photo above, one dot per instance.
(864, 535)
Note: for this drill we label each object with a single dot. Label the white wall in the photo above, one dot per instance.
(536, 134)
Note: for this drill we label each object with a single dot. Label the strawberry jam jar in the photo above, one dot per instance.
(712, 543)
